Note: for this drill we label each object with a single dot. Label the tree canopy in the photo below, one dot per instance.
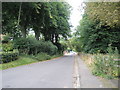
(49, 19)
(100, 27)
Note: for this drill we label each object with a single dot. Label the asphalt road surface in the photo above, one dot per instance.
(57, 73)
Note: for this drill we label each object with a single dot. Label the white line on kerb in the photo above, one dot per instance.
(76, 75)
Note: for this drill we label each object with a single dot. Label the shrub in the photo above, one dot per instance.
(49, 48)
(22, 44)
(42, 56)
(6, 39)
(33, 46)
(104, 65)
(8, 57)
(7, 47)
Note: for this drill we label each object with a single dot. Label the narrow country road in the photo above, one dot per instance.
(57, 73)
(68, 71)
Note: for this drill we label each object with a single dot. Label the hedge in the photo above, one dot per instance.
(33, 46)
(8, 57)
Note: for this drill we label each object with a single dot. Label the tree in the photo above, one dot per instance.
(10, 18)
(96, 30)
(48, 19)
(106, 12)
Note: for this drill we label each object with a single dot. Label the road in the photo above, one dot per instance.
(68, 71)
(57, 73)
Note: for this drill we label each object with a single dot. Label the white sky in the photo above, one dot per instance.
(76, 13)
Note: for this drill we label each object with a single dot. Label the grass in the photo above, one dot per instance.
(55, 56)
(21, 61)
(102, 65)
(26, 59)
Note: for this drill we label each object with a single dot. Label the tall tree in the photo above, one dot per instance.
(97, 30)
(11, 14)
(47, 18)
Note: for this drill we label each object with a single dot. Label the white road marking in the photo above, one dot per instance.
(76, 75)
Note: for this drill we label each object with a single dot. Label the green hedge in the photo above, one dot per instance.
(8, 57)
(33, 46)
(42, 56)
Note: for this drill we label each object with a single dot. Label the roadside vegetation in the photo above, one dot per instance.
(104, 65)
(97, 38)
(25, 51)
(27, 59)
(31, 32)
(38, 31)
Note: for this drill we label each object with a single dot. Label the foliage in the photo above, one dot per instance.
(106, 12)
(22, 45)
(25, 59)
(56, 56)
(42, 56)
(22, 60)
(32, 46)
(49, 19)
(8, 53)
(8, 57)
(103, 65)
(6, 39)
(99, 27)
(78, 47)
(9, 19)
(75, 44)
(7, 47)
(64, 45)
(95, 38)
(56, 21)
(98, 34)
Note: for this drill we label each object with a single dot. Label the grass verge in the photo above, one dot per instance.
(102, 65)
(27, 59)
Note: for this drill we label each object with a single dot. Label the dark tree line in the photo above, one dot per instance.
(49, 19)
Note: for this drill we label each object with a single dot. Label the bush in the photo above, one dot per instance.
(7, 47)
(104, 65)
(6, 39)
(49, 48)
(8, 57)
(22, 44)
(42, 56)
(42, 46)
(33, 46)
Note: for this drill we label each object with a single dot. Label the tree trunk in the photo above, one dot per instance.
(37, 34)
(23, 31)
(56, 38)
(52, 38)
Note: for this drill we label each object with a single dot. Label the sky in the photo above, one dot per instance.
(76, 13)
